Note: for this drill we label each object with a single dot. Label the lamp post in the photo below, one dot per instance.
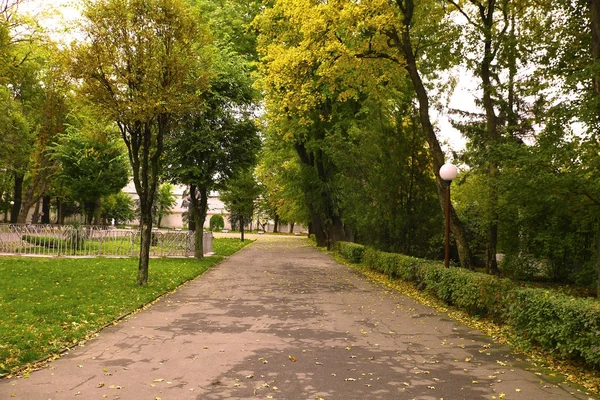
(448, 173)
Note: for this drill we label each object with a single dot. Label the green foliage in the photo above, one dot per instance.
(217, 223)
(240, 194)
(567, 326)
(353, 252)
(119, 206)
(164, 202)
(92, 165)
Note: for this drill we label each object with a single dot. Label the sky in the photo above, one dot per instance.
(64, 12)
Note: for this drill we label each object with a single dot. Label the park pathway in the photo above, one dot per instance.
(281, 320)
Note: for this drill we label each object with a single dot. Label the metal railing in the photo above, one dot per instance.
(93, 241)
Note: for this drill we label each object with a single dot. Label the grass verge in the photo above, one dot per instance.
(49, 304)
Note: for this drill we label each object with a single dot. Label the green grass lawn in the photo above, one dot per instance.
(47, 304)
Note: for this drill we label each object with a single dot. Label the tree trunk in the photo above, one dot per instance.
(60, 214)
(598, 265)
(89, 207)
(242, 227)
(46, 210)
(493, 136)
(318, 229)
(35, 218)
(337, 232)
(594, 6)
(17, 198)
(199, 210)
(97, 211)
(146, 240)
(30, 199)
(292, 227)
(437, 155)
(276, 224)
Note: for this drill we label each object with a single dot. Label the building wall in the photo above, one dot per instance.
(174, 219)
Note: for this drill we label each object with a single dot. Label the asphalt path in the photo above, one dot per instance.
(282, 320)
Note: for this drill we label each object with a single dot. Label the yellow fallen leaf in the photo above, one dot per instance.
(292, 359)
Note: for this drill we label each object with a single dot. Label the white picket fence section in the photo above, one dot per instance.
(93, 241)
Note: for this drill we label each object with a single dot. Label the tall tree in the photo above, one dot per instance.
(240, 195)
(92, 165)
(138, 65)
(215, 141)
(325, 45)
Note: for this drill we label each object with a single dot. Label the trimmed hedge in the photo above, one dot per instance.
(568, 327)
(352, 252)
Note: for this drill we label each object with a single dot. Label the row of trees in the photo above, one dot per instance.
(158, 91)
(349, 145)
(349, 92)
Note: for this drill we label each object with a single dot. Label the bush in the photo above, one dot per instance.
(49, 242)
(564, 325)
(352, 252)
(568, 326)
(73, 239)
(217, 223)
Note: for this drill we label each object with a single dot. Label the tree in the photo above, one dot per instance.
(141, 65)
(92, 165)
(164, 202)
(26, 82)
(119, 207)
(212, 143)
(315, 57)
(239, 196)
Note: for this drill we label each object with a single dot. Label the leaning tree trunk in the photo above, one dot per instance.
(493, 136)
(405, 46)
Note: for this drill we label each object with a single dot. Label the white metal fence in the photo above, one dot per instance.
(93, 241)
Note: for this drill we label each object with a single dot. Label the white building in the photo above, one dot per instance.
(175, 218)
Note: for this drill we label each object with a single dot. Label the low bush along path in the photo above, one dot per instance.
(281, 320)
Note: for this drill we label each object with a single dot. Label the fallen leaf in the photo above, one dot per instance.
(292, 359)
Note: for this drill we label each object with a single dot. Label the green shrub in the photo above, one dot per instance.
(568, 326)
(217, 223)
(49, 242)
(352, 252)
(70, 244)
(382, 261)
